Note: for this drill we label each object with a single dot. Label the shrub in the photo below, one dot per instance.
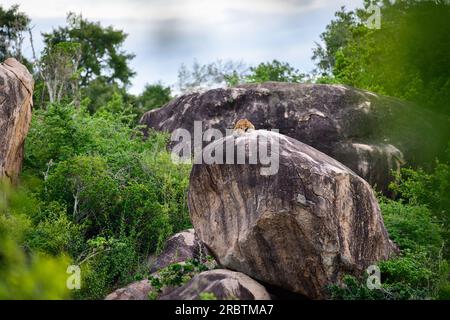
(419, 272)
(55, 134)
(89, 190)
(108, 263)
(274, 71)
(414, 275)
(145, 217)
(412, 226)
(177, 274)
(101, 180)
(54, 233)
(24, 274)
(418, 187)
(430, 189)
(207, 296)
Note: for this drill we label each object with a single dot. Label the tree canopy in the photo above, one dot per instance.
(101, 48)
(274, 71)
(408, 57)
(13, 24)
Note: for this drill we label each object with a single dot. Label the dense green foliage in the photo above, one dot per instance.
(177, 274)
(108, 197)
(153, 96)
(418, 224)
(96, 194)
(406, 58)
(25, 274)
(274, 71)
(101, 49)
(431, 189)
(412, 227)
(13, 24)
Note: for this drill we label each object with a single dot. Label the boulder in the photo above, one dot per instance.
(223, 284)
(16, 94)
(180, 247)
(135, 291)
(300, 227)
(370, 134)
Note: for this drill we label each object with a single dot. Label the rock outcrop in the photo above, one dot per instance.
(300, 228)
(135, 291)
(223, 284)
(370, 134)
(16, 93)
(180, 247)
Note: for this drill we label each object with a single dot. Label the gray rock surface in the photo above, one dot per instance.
(299, 229)
(223, 284)
(135, 291)
(180, 247)
(16, 101)
(370, 134)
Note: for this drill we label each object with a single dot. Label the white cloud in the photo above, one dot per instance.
(203, 10)
(165, 33)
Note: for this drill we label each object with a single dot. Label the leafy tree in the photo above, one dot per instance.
(13, 24)
(431, 189)
(108, 261)
(274, 71)
(99, 92)
(105, 196)
(101, 50)
(406, 58)
(153, 96)
(337, 35)
(412, 227)
(59, 68)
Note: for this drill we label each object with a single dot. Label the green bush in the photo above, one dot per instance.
(412, 226)
(274, 71)
(411, 276)
(207, 296)
(54, 232)
(107, 263)
(177, 274)
(99, 179)
(153, 96)
(89, 190)
(430, 189)
(420, 271)
(25, 274)
(145, 217)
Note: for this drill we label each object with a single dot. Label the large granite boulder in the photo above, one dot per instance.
(370, 134)
(223, 284)
(180, 247)
(16, 101)
(300, 226)
(138, 290)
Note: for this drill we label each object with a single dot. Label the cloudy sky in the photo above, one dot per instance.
(166, 33)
